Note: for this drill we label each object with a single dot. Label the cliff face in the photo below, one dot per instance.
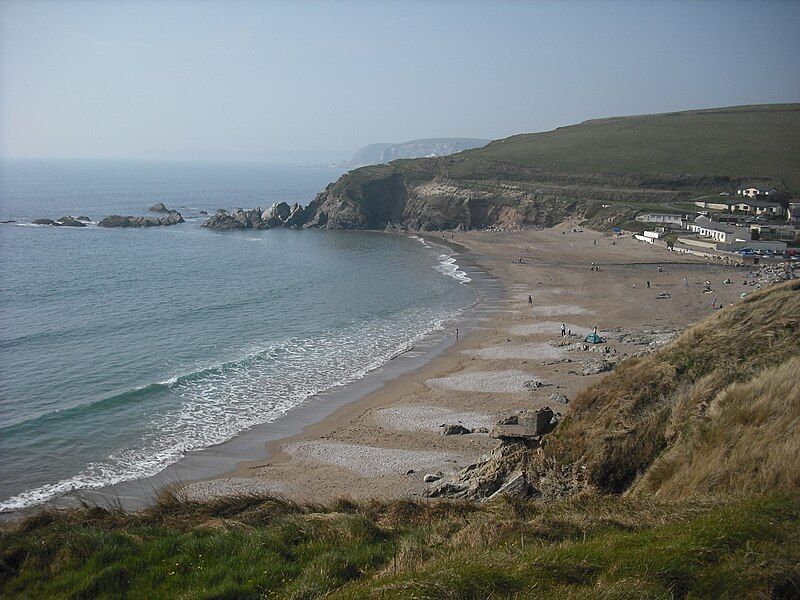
(605, 170)
(460, 193)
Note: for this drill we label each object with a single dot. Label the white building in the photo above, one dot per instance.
(793, 212)
(720, 232)
(661, 219)
(759, 207)
(728, 238)
(752, 191)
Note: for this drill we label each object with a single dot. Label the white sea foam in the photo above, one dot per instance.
(447, 263)
(212, 405)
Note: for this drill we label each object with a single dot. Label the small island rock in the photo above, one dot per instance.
(70, 222)
(159, 208)
(113, 221)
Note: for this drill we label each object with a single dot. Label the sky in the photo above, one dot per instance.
(313, 81)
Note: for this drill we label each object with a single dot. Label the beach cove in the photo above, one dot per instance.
(382, 443)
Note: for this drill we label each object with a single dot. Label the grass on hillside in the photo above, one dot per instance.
(741, 142)
(589, 546)
(680, 399)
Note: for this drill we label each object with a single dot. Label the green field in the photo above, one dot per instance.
(740, 142)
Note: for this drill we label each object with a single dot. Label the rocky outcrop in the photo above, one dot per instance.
(517, 467)
(65, 221)
(71, 222)
(117, 221)
(280, 215)
(238, 219)
(158, 208)
(459, 193)
(84, 219)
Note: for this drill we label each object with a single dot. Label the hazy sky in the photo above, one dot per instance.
(313, 81)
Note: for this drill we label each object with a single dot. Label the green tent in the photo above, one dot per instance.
(593, 338)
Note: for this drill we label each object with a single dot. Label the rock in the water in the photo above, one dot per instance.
(113, 221)
(202, 212)
(84, 218)
(159, 208)
(70, 222)
(238, 219)
(455, 429)
(45, 222)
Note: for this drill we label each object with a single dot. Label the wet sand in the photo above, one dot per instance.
(382, 443)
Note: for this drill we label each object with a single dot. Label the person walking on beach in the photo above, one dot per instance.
(563, 330)
(648, 285)
(530, 300)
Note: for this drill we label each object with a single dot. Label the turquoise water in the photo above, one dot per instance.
(122, 350)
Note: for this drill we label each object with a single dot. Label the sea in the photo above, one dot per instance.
(124, 350)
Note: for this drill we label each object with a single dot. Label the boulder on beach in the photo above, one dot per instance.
(159, 208)
(455, 429)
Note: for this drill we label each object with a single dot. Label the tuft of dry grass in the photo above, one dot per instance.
(747, 442)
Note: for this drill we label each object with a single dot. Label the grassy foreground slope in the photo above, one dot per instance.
(587, 547)
(738, 141)
(692, 453)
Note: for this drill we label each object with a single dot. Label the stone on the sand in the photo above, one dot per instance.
(455, 429)
(431, 477)
(561, 398)
(593, 368)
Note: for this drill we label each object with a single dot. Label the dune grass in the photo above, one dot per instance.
(671, 404)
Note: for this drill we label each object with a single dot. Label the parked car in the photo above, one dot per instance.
(746, 252)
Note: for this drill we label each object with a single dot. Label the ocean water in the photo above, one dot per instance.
(123, 349)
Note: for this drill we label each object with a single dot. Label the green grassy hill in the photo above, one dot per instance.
(739, 141)
(605, 170)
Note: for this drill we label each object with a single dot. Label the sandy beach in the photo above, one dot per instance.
(381, 445)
